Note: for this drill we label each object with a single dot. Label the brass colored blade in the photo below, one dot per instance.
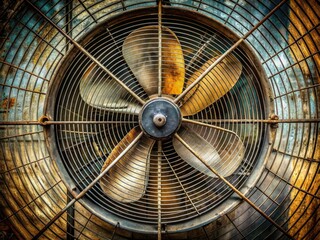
(213, 86)
(127, 180)
(99, 91)
(140, 50)
(224, 155)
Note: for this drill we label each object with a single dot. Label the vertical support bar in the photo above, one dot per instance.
(70, 211)
(69, 7)
(159, 48)
(159, 188)
(70, 217)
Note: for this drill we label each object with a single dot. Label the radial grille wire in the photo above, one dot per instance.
(288, 47)
(186, 192)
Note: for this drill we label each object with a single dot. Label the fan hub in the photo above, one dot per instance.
(160, 118)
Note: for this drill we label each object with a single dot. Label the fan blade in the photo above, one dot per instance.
(225, 154)
(213, 86)
(140, 50)
(99, 91)
(127, 180)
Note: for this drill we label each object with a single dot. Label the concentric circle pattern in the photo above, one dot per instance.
(172, 119)
(234, 90)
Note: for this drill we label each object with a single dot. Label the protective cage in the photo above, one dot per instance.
(93, 145)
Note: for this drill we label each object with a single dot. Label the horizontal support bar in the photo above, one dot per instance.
(216, 121)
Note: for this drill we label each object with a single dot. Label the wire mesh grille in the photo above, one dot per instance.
(32, 192)
(186, 192)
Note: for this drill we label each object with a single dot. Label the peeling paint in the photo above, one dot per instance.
(8, 103)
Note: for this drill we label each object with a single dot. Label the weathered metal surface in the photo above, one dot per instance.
(31, 50)
(304, 48)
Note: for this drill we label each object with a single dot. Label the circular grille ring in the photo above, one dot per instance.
(94, 146)
(161, 158)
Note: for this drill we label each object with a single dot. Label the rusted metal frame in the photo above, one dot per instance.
(159, 48)
(159, 196)
(177, 177)
(87, 10)
(24, 70)
(312, 160)
(240, 194)
(115, 230)
(298, 90)
(294, 64)
(22, 89)
(84, 191)
(85, 52)
(32, 201)
(24, 165)
(238, 230)
(295, 42)
(233, 47)
(293, 186)
(20, 135)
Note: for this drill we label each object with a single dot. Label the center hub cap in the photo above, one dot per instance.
(160, 118)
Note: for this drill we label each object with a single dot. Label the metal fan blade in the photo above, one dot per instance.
(140, 50)
(99, 91)
(213, 86)
(127, 180)
(224, 155)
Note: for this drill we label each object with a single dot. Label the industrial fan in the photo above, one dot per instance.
(160, 119)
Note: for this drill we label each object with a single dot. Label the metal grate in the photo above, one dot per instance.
(186, 193)
(72, 97)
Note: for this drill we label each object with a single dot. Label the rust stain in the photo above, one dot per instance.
(8, 103)
(304, 208)
(173, 65)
